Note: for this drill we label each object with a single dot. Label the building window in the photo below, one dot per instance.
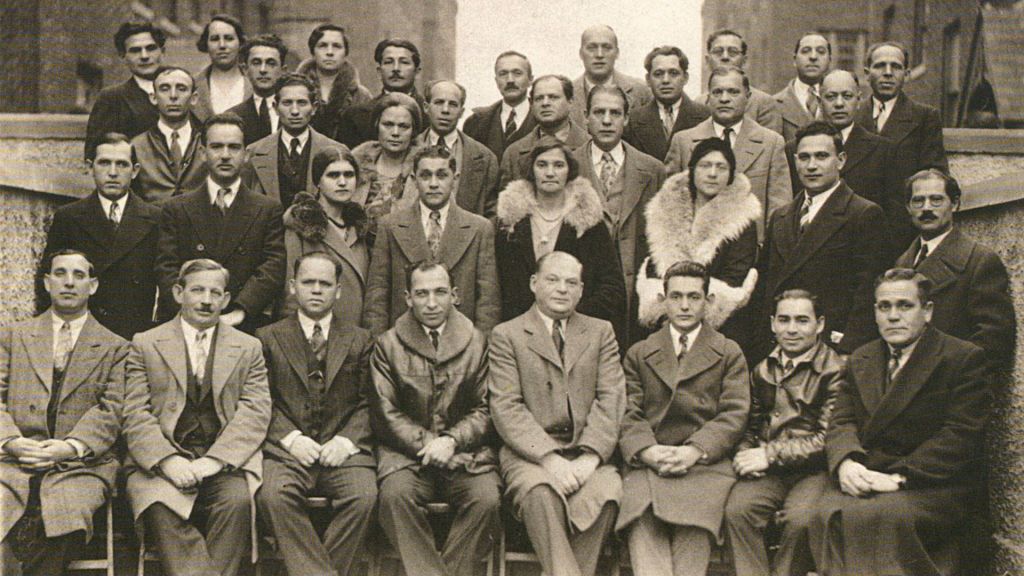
(848, 48)
(920, 29)
(951, 79)
(888, 19)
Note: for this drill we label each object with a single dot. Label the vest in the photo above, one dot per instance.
(54, 403)
(291, 176)
(198, 425)
(317, 389)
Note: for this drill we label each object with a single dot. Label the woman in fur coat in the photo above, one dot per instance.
(555, 209)
(706, 214)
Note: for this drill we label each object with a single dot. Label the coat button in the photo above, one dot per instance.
(32, 408)
(200, 247)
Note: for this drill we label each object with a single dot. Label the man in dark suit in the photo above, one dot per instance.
(281, 164)
(319, 441)
(171, 152)
(61, 394)
(429, 406)
(508, 119)
(800, 101)
(599, 50)
(127, 108)
(905, 444)
(227, 222)
(727, 47)
(827, 241)
(262, 60)
(118, 230)
(915, 129)
(970, 288)
(433, 228)
(626, 179)
(652, 125)
(398, 64)
(476, 168)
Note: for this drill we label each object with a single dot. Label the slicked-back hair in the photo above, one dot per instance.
(268, 40)
(378, 52)
(201, 265)
(433, 152)
(329, 155)
(725, 32)
(129, 29)
(510, 53)
(425, 266)
(550, 143)
(116, 138)
(923, 283)
(203, 42)
(819, 127)
(726, 70)
(687, 269)
(666, 50)
(614, 91)
(702, 149)
(799, 294)
(339, 269)
(950, 185)
(48, 265)
(430, 86)
(319, 31)
(563, 80)
(296, 79)
(828, 43)
(229, 118)
(393, 99)
(870, 53)
(168, 69)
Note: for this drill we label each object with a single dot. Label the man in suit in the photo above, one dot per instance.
(127, 108)
(197, 409)
(433, 229)
(626, 179)
(599, 49)
(689, 393)
(727, 47)
(651, 126)
(429, 402)
(551, 98)
(476, 168)
(262, 60)
(970, 288)
(118, 230)
(905, 443)
(800, 101)
(915, 129)
(557, 399)
(61, 394)
(171, 152)
(398, 65)
(319, 441)
(827, 241)
(280, 165)
(509, 119)
(760, 153)
(224, 220)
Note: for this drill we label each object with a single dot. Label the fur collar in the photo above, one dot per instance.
(675, 233)
(307, 218)
(517, 201)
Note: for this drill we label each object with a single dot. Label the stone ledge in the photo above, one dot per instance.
(43, 126)
(980, 141)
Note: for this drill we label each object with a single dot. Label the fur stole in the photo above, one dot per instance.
(675, 233)
(307, 218)
(518, 201)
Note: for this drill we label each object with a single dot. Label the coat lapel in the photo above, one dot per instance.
(456, 238)
(264, 162)
(858, 147)
(634, 183)
(171, 347)
(96, 224)
(408, 232)
(909, 381)
(749, 145)
(663, 361)
(88, 352)
(338, 343)
(293, 343)
(39, 347)
(205, 226)
(830, 218)
(226, 356)
(869, 368)
(132, 229)
(576, 341)
(702, 355)
(900, 122)
(412, 335)
(946, 265)
(539, 339)
(471, 170)
(237, 221)
(334, 241)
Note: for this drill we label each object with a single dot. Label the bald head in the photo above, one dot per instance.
(558, 284)
(840, 97)
(599, 49)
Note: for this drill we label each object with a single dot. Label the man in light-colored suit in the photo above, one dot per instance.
(281, 165)
(476, 167)
(61, 393)
(197, 409)
(433, 229)
(726, 47)
(760, 153)
(800, 101)
(557, 400)
(626, 179)
(599, 49)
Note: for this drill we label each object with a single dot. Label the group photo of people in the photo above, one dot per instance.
(613, 326)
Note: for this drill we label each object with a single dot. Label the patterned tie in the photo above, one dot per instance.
(666, 120)
(294, 153)
(558, 338)
(510, 124)
(879, 121)
(435, 338)
(200, 368)
(727, 136)
(788, 367)
(608, 171)
(264, 114)
(682, 349)
(176, 154)
(221, 202)
(64, 347)
(805, 214)
(115, 214)
(894, 362)
(921, 255)
(434, 232)
(812, 101)
(318, 343)
(443, 145)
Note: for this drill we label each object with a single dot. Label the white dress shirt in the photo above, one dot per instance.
(307, 323)
(229, 198)
(801, 90)
(720, 131)
(881, 119)
(818, 200)
(146, 85)
(106, 203)
(691, 337)
(425, 217)
(522, 112)
(287, 138)
(933, 244)
(184, 134)
(905, 353)
(190, 333)
(271, 110)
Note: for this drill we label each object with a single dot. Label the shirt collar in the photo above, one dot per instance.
(76, 324)
(779, 356)
(146, 85)
(801, 89)
(439, 329)
(549, 322)
(522, 111)
(271, 103)
(306, 323)
(184, 133)
(934, 243)
(597, 155)
(191, 331)
(450, 140)
(846, 132)
(425, 214)
(212, 188)
(905, 352)
(561, 135)
(720, 130)
(875, 103)
(121, 202)
(691, 336)
(822, 197)
(287, 138)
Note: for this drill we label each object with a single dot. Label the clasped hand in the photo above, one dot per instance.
(570, 475)
(670, 460)
(331, 454)
(752, 462)
(857, 480)
(36, 455)
(440, 452)
(187, 474)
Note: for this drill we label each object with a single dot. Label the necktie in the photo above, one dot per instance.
(221, 201)
(879, 121)
(434, 232)
(63, 352)
(727, 136)
(894, 362)
(921, 255)
(294, 153)
(200, 368)
(682, 348)
(666, 120)
(510, 124)
(115, 214)
(318, 343)
(443, 145)
(558, 338)
(608, 170)
(805, 214)
(264, 114)
(788, 367)
(435, 338)
(176, 150)
(812, 101)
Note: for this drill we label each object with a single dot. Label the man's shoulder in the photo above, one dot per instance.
(764, 134)
(639, 159)
(321, 141)
(482, 112)
(919, 110)
(243, 108)
(265, 145)
(118, 90)
(474, 146)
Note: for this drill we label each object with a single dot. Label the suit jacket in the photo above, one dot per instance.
(157, 375)
(646, 132)
(971, 294)
(343, 407)
(517, 154)
(125, 109)
(203, 109)
(261, 171)
(760, 155)
(793, 113)
(760, 107)
(837, 258)
(467, 249)
(90, 404)
(477, 186)
(158, 180)
(636, 91)
(927, 424)
(122, 259)
(484, 125)
(251, 118)
(249, 242)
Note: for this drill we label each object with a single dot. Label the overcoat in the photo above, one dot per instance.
(646, 132)
(261, 172)
(484, 125)
(793, 113)
(123, 108)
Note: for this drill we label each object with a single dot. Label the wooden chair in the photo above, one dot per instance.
(107, 563)
(386, 553)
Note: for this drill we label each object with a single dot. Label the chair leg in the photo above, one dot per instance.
(141, 533)
(110, 535)
(502, 569)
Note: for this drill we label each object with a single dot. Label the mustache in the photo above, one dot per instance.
(927, 215)
(396, 74)
(511, 85)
